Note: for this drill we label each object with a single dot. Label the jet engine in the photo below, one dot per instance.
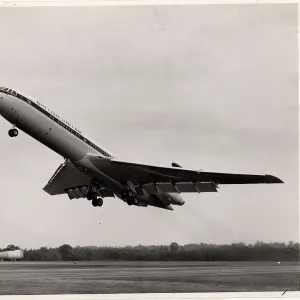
(175, 199)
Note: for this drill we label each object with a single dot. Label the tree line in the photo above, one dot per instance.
(259, 251)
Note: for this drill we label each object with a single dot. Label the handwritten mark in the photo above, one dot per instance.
(284, 292)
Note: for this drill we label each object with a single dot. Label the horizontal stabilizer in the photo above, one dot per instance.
(65, 177)
(68, 179)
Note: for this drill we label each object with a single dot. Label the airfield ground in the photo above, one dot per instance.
(31, 278)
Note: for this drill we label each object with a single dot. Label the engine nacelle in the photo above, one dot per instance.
(175, 199)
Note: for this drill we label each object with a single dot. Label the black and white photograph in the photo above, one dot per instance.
(149, 149)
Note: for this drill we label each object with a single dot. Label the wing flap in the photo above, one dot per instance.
(180, 187)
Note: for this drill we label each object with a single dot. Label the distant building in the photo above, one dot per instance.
(12, 255)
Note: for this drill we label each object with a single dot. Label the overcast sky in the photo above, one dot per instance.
(212, 87)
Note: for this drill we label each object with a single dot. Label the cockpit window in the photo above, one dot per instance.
(8, 91)
(3, 89)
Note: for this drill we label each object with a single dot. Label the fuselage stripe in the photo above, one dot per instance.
(55, 119)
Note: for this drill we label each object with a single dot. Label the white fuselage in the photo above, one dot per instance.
(48, 128)
(51, 130)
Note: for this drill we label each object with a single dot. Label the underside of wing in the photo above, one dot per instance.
(68, 179)
(153, 179)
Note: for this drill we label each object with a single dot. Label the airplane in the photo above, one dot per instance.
(92, 172)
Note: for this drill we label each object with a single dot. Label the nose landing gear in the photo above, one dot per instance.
(13, 132)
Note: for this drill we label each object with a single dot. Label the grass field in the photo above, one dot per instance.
(146, 277)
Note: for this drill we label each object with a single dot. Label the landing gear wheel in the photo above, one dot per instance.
(100, 202)
(13, 132)
(91, 196)
(10, 133)
(131, 201)
(97, 202)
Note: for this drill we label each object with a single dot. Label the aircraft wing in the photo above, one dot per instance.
(171, 180)
(68, 179)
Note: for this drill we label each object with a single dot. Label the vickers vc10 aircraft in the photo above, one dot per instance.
(92, 172)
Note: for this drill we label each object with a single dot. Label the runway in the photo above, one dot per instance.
(42, 278)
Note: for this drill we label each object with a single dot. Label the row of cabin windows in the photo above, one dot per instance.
(14, 93)
(59, 122)
(65, 126)
(77, 134)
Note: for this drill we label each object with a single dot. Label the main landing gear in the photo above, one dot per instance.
(95, 200)
(130, 197)
(13, 132)
(92, 194)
